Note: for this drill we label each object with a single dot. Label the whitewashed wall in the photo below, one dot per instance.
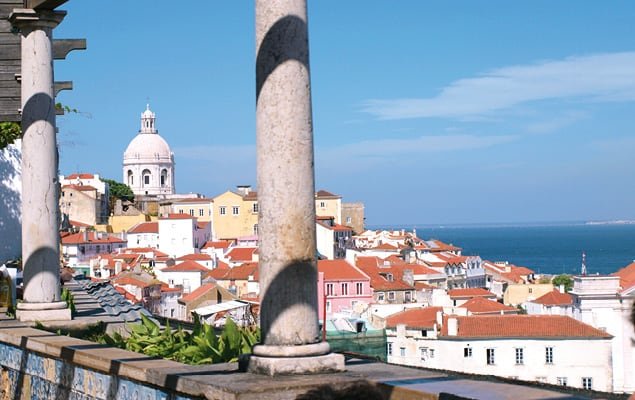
(10, 202)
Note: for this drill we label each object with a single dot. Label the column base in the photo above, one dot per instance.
(272, 366)
(32, 312)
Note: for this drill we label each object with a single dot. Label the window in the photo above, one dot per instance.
(146, 179)
(424, 333)
(520, 359)
(255, 229)
(328, 306)
(201, 212)
(467, 352)
(389, 349)
(408, 297)
(562, 380)
(424, 353)
(180, 211)
(234, 210)
(549, 355)
(359, 288)
(490, 357)
(402, 351)
(349, 220)
(222, 210)
(391, 295)
(431, 353)
(380, 296)
(344, 289)
(329, 289)
(191, 212)
(587, 383)
(254, 208)
(322, 204)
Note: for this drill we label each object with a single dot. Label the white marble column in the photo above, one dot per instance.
(40, 186)
(286, 196)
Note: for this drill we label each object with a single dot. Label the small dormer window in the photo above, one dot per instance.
(389, 277)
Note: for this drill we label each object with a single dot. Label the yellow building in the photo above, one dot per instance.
(200, 208)
(516, 294)
(328, 205)
(235, 214)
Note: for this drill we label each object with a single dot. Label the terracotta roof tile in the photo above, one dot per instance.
(186, 266)
(80, 176)
(81, 188)
(243, 272)
(145, 227)
(323, 194)
(195, 257)
(177, 216)
(241, 254)
(414, 318)
(522, 326)
(340, 270)
(91, 237)
(627, 275)
(201, 290)
(554, 298)
(222, 244)
(481, 305)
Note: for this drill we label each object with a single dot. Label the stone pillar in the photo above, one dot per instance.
(286, 196)
(40, 186)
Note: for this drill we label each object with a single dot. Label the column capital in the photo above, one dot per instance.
(29, 18)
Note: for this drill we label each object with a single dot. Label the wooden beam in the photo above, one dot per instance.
(62, 85)
(43, 4)
(61, 47)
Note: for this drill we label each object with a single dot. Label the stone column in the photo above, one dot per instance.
(40, 186)
(286, 196)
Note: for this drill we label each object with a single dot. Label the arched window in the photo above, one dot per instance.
(164, 177)
(145, 175)
(130, 178)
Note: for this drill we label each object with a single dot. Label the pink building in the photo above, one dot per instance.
(341, 286)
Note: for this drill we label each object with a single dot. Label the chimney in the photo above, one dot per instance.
(561, 288)
(453, 326)
(84, 236)
(439, 317)
(408, 277)
(243, 189)
(117, 267)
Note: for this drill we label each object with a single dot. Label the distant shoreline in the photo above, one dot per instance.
(410, 226)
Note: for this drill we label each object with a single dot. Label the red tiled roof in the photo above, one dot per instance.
(145, 227)
(523, 326)
(219, 272)
(186, 266)
(385, 246)
(481, 305)
(195, 257)
(178, 216)
(138, 250)
(323, 194)
(470, 292)
(201, 290)
(241, 253)
(81, 188)
(202, 224)
(166, 289)
(378, 275)
(555, 298)
(243, 272)
(627, 275)
(414, 318)
(338, 270)
(222, 244)
(250, 196)
(80, 175)
(418, 269)
(91, 237)
(423, 286)
(78, 224)
(130, 280)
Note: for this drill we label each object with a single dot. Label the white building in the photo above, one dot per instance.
(550, 349)
(188, 274)
(82, 246)
(332, 238)
(181, 234)
(148, 162)
(144, 234)
(555, 302)
(605, 302)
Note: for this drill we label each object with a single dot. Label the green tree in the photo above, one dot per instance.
(9, 132)
(565, 280)
(119, 190)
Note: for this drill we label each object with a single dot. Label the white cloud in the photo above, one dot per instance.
(599, 77)
(556, 123)
(371, 151)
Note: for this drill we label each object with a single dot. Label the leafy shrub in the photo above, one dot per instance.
(201, 346)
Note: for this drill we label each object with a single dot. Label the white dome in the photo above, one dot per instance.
(148, 147)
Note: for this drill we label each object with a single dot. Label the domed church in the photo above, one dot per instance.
(148, 162)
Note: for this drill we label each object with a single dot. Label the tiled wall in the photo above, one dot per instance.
(27, 375)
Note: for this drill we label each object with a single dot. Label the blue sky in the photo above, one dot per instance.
(428, 112)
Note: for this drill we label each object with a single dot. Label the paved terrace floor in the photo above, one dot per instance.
(224, 381)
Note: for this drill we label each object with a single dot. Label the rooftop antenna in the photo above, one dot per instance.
(583, 269)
